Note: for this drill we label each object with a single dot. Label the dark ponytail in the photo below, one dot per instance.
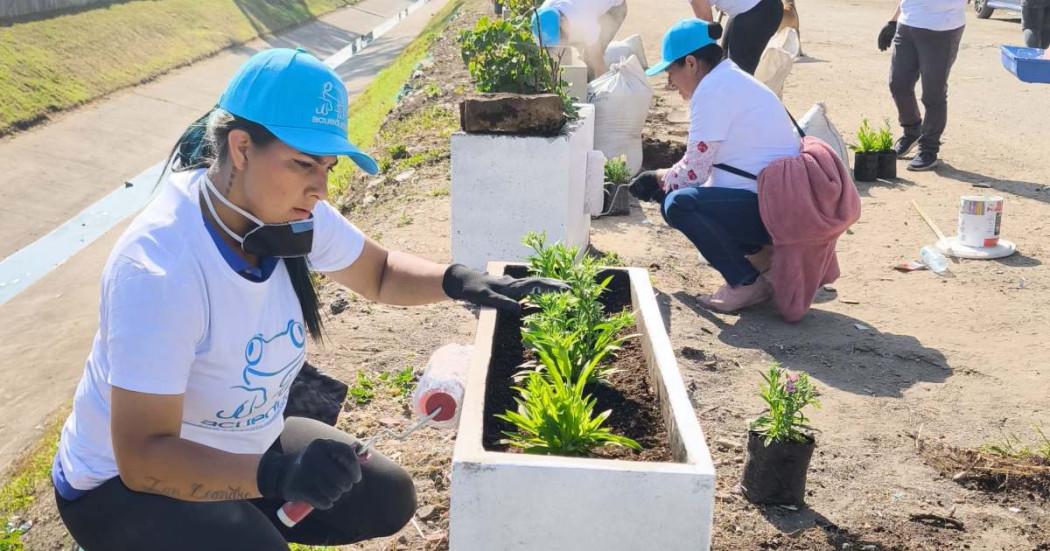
(710, 55)
(205, 143)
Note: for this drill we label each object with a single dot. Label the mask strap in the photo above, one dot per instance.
(211, 207)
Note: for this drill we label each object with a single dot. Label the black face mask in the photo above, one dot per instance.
(287, 240)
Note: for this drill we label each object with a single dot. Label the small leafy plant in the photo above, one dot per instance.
(363, 389)
(785, 395)
(1011, 446)
(616, 171)
(401, 383)
(555, 416)
(867, 139)
(884, 137)
(573, 338)
(502, 56)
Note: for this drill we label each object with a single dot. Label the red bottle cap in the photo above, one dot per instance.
(433, 401)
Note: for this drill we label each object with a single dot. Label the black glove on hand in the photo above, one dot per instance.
(886, 35)
(646, 187)
(501, 293)
(319, 474)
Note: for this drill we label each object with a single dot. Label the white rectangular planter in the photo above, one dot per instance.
(505, 501)
(506, 186)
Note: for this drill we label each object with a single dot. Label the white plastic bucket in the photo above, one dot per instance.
(980, 218)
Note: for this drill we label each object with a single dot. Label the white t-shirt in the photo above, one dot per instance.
(175, 318)
(581, 18)
(934, 15)
(731, 107)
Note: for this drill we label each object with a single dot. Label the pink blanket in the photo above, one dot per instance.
(806, 203)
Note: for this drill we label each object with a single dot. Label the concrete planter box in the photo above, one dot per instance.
(513, 501)
(506, 186)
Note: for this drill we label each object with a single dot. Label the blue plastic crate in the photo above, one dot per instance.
(1027, 63)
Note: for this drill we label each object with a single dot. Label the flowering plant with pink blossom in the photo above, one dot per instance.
(785, 395)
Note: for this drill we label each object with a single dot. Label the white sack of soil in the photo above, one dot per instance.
(619, 50)
(621, 99)
(779, 56)
(817, 124)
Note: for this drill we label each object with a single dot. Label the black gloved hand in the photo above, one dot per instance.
(646, 187)
(886, 35)
(319, 474)
(501, 293)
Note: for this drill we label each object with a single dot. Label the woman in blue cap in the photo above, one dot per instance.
(588, 25)
(177, 438)
(737, 127)
(751, 24)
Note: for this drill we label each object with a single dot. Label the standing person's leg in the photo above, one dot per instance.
(1031, 26)
(378, 506)
(610, 23)
(114, 518)
(1044, 33)
(937, 53)
(904, 74)
(748, 34)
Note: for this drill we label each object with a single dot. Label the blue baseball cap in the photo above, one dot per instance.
(546, 24)
(682, 39)
(299, 99)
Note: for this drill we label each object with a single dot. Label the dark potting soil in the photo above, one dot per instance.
(628, 392)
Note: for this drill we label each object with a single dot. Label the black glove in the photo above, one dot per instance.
(886, 35)
(646, 187)
(319, 474)
(501, 293)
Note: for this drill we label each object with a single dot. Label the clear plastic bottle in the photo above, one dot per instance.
(933, 259)
(442, 385)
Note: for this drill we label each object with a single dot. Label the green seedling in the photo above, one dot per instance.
(363, 389)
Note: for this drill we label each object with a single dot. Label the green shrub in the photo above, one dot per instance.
(616, 171)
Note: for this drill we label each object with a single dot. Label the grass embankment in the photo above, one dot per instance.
(369, 110)
(53, 64)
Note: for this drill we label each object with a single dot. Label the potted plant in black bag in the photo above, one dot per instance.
(887, 156)
(617, 178)
(865, 154)
(779, 443)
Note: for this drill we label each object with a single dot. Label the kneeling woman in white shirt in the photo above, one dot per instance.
(737, 127)
(177, 439)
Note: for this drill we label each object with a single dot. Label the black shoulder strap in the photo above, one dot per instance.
(801, 133)
(734, 170)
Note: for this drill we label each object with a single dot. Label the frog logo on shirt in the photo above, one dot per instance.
(264, 385)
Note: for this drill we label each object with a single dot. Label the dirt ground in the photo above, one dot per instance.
(906, 364)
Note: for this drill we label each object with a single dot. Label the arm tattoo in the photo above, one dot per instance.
(198, 492)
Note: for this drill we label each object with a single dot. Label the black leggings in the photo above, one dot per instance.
(748, 33)
(113, 518)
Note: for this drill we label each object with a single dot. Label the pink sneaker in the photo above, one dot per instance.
(730, 299)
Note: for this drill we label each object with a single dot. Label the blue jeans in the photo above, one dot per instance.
(725, 226)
